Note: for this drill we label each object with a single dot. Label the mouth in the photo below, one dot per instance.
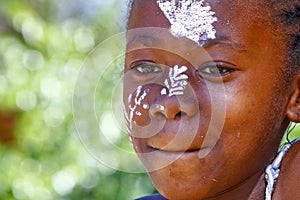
(201, 152)
(156, 159)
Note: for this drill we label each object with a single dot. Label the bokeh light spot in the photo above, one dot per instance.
(109, 129)
(54, 116)
(63, 182)
(32, 30)
(84, 39)
(33, 60)
(51, 88)
(22, 189)
(26, 100)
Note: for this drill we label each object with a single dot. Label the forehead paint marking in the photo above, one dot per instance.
(176, 82)
(190, 18)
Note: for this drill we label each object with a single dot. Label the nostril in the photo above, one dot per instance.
(158, 111)
(172, 108)
(181, 114)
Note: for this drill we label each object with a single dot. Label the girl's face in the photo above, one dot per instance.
(205, 116)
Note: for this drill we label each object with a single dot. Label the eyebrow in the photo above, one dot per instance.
(145, 40)
(150, 41)
(224, 40)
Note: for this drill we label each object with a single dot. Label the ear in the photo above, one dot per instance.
(293, 107)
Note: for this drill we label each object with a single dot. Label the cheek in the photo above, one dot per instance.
(137, 105)
(256, 109)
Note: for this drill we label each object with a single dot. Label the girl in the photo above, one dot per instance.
(210, 88)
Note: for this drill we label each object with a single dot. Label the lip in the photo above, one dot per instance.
(178, 136)
(172, 138)
(156, 159)
(202, 152)
(181, 142)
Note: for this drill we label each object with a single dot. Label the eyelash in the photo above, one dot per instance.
(146, 68)
(215, 69)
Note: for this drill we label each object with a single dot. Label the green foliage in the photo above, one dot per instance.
(42, 47)
(43, 44)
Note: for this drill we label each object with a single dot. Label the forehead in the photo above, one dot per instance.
(229, 21)
(223, 9)
(197, 20)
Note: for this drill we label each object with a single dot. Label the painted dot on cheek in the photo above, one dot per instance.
(138, 113)
(146, 106)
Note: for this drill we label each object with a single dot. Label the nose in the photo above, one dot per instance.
(173, 107)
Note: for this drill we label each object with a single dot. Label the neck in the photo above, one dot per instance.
(251, 188)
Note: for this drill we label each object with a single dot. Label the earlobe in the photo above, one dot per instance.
(293, 108)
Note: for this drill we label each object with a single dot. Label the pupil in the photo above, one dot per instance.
(148, 68)
(216, 70)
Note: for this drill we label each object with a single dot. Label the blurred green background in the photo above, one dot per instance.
(43, 44)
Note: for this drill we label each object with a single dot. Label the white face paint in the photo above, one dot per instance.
(192, 19)
(138, 99)
(129, 98)
(176, 82)
(146, 106)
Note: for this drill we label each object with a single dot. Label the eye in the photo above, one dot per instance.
(145, 68)
(216, 69)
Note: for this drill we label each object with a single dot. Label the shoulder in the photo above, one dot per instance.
(288, 184)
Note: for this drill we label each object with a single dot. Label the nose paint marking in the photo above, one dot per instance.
(192, 19)
(176, 82)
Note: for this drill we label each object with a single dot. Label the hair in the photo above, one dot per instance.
(287, 14)
(128, 4)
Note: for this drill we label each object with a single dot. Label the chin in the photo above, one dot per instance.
(180, 180)
(177, 189)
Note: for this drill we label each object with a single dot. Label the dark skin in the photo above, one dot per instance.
(258, 103)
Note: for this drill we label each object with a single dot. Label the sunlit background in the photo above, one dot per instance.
(43, 44)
